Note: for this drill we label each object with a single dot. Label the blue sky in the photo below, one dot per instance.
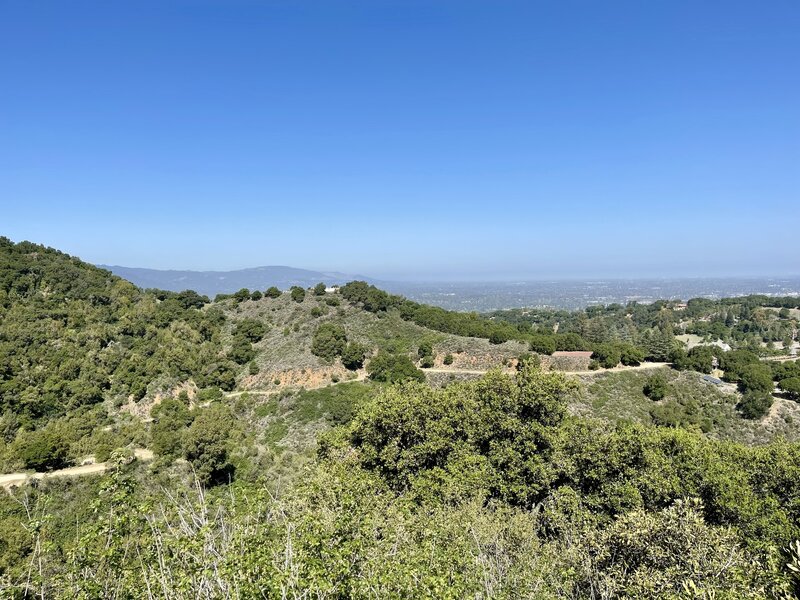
(409, 139)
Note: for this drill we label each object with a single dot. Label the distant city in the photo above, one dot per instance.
(470, 296)
(484, 297)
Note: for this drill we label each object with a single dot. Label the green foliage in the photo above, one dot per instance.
(542, 344)
(425, 348)
(734, 363)
(298, 294)
(657, 345)
(792, 387)
(756, 378)
(608, 356)
(242, 295)
(272, 292)
(354, 355)
(467, 324)
(448, 359)
(655, 387)
(74, 335)
(699, 358)
(755, 404)
(42, 450)
(241, 351)
(669, 553)
(336, 404)
(252, 330)
(417, 437)
(499, 336)
(319, 289)
(171, 418)
(393, 368)
(329, 341)
(205, 445)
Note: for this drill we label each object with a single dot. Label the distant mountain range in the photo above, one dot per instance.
(212, 283)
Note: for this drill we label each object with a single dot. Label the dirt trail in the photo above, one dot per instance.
(16, 479)
(359, 377)
(641, 367)
(363, 376)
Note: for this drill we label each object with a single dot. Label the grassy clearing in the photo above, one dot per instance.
(690, 403)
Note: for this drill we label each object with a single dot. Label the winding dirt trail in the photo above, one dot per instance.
(10, 480)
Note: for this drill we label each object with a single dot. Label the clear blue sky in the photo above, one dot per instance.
(406, 139)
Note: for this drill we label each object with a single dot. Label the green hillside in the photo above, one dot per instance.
(353, 444)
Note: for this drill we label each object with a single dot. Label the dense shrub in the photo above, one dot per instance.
(393, 368)
(329, 341)
(756, 378)
(655, 387)
(755, 404)
(73, 335)
(792, 387)
(354, 355)
(542, 344)
(43, 450)
(699, 358)
(252, 330)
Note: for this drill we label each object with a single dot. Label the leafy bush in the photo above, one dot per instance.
(252, 330)
(353, 356)
(425, 348)
(792, 387)
(415, 435)
(170, 420)
(43, 450)
(298, 294)
(205, 445)
(755, 404)
(699, 358)
(607, 356)
(756, 378)
(655, 387)
(542, 344)
(393, 368)
(329, 341)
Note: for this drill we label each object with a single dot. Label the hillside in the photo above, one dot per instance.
(353, 443)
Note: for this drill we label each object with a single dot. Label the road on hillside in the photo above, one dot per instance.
(10, 480)
(642, 367)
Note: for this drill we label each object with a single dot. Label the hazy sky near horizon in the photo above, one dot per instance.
(406, 139)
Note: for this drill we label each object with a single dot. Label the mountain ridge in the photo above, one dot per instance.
(228, 282)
